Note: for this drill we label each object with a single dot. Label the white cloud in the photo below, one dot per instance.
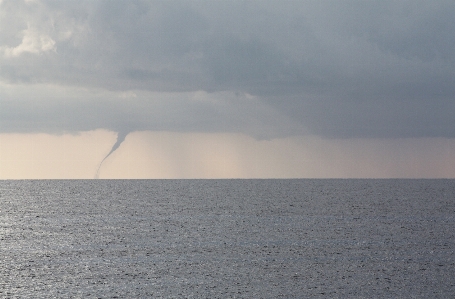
(33, 42)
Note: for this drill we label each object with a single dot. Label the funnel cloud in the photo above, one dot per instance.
(120, 138)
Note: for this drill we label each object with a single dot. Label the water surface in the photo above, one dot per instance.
(227, 239)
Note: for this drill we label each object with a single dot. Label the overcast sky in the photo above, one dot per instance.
(337, 70)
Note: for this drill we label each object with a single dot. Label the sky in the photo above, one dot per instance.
(227, 89)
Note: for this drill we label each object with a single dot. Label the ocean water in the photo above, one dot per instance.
(227, 239)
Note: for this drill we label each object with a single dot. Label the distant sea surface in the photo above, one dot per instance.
(227, 239)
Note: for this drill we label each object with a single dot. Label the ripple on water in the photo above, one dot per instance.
(227, 238)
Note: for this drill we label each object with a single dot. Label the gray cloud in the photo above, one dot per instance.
(266, 68)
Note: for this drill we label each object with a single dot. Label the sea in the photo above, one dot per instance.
(302, 238)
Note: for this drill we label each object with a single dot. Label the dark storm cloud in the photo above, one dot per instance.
(333, 68)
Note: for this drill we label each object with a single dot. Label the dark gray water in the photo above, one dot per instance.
(227, 239)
